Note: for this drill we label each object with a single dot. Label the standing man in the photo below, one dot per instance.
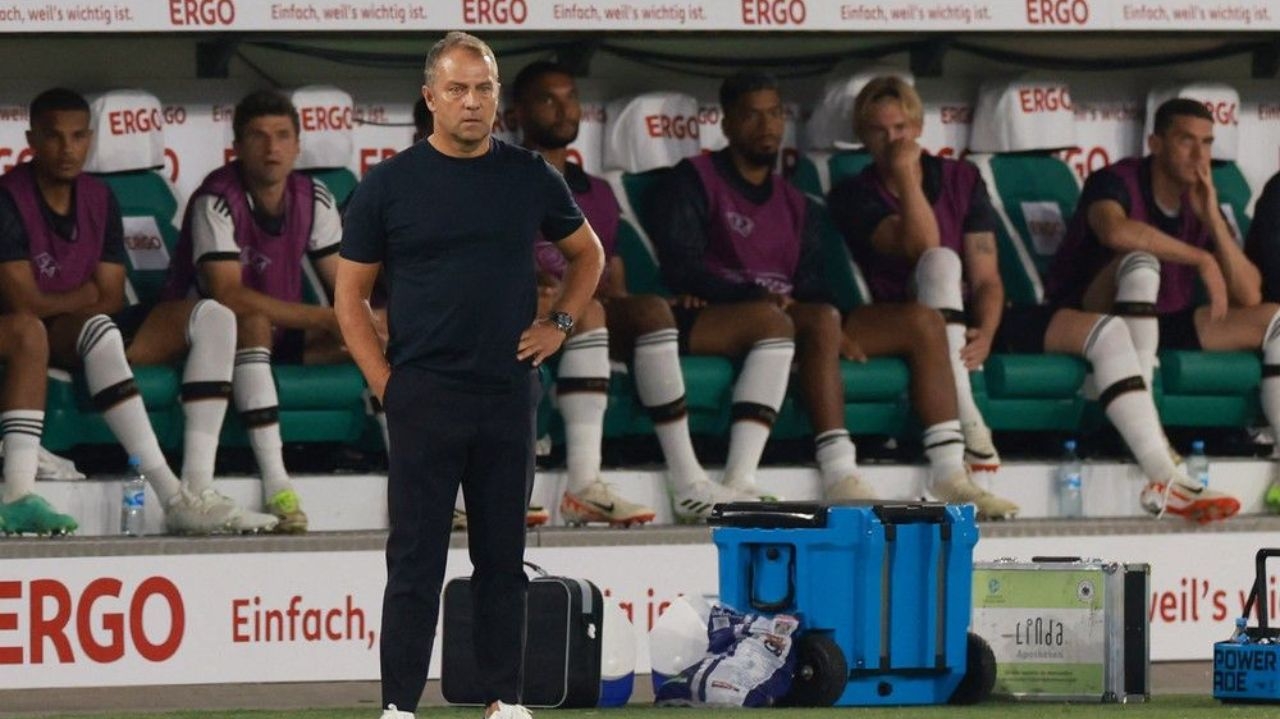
(457, 379)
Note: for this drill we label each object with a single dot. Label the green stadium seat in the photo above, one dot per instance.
(1209, 389)
(1234, 196)
(845, 164)
(1034, 195)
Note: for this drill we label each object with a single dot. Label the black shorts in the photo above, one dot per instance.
(1178, 331)
(1022, 329)
(686, 318)
(289, 346)
(129, 320)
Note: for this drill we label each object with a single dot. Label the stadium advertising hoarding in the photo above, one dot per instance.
(314, 616)
(669, 15)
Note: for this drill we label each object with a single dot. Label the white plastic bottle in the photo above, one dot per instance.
(1070, 497)
(133, 509)
(1198, 464)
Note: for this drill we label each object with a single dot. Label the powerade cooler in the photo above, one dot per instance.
(1246, 668)
(883, 592)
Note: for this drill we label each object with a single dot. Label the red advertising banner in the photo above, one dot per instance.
(75, 16)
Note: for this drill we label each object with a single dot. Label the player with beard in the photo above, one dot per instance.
(736, 236)
(639, 329)
(1147, 237)
(62, 260)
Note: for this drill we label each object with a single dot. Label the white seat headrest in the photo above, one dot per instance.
(831, 124)
(650, 131)
(128, 132)
(327, 118)
(1023, 115)
(1222, 101)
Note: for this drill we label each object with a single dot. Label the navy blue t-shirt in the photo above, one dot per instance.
(456, 239)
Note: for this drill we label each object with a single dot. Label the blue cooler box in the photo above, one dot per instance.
(883, 592)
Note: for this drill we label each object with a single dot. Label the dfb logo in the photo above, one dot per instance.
(1044, 99)
(1224, 113)
(1057, 12)
(318, 119)
(202, 12)
(773, 12)
(142, 242)
(52, 607)
(494, 12)
(10, 157)
(956, 115)
(678, 127)
(137, 120)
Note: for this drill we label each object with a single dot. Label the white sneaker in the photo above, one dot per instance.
(694, 503)
(187, 513)
(600, 504)
(392, 713)
(510, 711)
(247, 521)
(960, 489)
(238, 519)
(851, 487)
(748, 491)
(51, 466)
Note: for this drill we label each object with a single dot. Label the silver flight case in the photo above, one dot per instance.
(1065, 629)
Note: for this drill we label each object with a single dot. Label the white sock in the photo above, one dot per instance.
(1269, 389)
(206, 387)
(20, 429)
(582, 394)
(1124, 396)
(660, 385)
(1137, 289)
(758, 394)
(944, 448)
(254, 389)
(836, 455)
(115, 395)
(938, 277)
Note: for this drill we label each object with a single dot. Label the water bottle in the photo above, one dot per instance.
(1241, 634)
(133, 511)
(1070, 500)
(1198, 464)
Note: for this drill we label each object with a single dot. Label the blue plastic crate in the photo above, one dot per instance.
(887, 587)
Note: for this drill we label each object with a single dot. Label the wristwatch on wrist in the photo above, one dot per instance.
(562, 321)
